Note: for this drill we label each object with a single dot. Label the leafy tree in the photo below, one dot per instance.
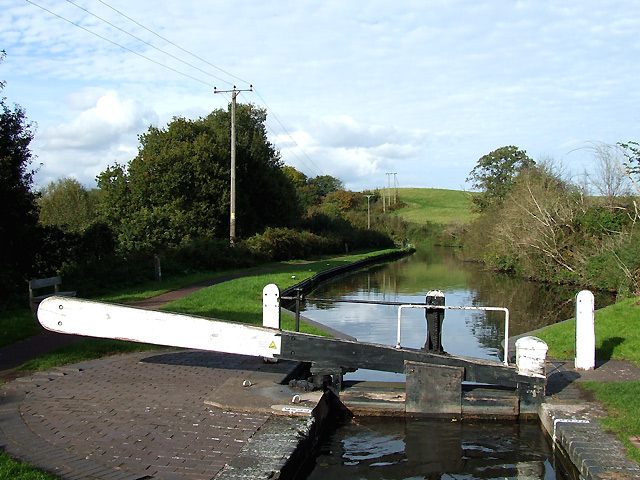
(326, 184)
(339, 202)
(495, 173)
(65, 203)
(297, 178)
(177, 187)
(18, 228)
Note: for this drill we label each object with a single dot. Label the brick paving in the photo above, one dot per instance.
(131, 417)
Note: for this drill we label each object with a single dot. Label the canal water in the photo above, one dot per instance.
(469, 333)
(369, 448)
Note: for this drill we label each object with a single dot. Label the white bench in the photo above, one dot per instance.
(36, 297)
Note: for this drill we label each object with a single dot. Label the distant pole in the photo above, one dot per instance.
(395, 187)
(389, 186)
(232, 190)
(368, 212)
(384, 202)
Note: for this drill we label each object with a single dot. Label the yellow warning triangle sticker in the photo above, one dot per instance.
(273, 345)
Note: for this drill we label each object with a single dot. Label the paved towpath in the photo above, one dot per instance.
(135, 416)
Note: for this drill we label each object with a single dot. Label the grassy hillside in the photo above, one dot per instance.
(435, 205)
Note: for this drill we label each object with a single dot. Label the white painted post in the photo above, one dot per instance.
(531, 354)
(585, 331)
(271, 306)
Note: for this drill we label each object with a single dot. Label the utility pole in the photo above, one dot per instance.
(389, 185)
(232, 191)
(384, 195)
(368, 212)
(395, 188)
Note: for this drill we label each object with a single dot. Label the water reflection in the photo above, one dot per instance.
(468, 333)
(431, 449)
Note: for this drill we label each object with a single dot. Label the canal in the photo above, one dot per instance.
(370, 448)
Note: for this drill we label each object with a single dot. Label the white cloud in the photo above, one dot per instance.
(101, 125)
(103, 129)
(420, 88)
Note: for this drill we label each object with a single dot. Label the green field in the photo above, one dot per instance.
(435, 205)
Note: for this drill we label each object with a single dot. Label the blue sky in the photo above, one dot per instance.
(353, 89)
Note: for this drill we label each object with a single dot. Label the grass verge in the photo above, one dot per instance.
(435, 205)
(617, 338)
(16, 325)
(623, 409)
(11, 469)
(617, 333)
(238, 300)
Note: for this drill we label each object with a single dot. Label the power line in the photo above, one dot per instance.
(175, 58)
(118, 45)
(144, 41)
(171, 43)
(286, 131)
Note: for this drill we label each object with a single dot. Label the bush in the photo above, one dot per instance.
(286, 244)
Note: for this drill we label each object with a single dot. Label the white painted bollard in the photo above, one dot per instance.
(271, 311)
(271, 306)
(531, 354)
(585, 331)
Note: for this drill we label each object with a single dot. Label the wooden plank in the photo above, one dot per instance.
(44, 282)
(97, 319)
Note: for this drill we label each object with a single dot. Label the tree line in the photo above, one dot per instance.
(172, 200)
(536, 222)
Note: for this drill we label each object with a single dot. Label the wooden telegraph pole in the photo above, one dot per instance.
(232, 200)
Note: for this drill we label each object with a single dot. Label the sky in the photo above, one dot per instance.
(352, 89)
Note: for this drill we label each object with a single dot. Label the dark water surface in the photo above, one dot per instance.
(376, 448)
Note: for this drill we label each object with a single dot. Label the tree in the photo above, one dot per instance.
(631, 151)
(326, 184)
(18, 228)
(66, 204)
(495, 173)
(609, 178)
(296, 177)
(177, 187)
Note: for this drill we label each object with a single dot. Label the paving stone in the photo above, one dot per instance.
(134, 416)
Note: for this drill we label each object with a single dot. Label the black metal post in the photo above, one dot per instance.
(435, 317)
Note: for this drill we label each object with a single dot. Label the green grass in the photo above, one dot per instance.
(617, 338)
(623, 409)
(617, 334)
(16, 325)
(153, 288)
(11, 469)
(435, 205)
(240, 300)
